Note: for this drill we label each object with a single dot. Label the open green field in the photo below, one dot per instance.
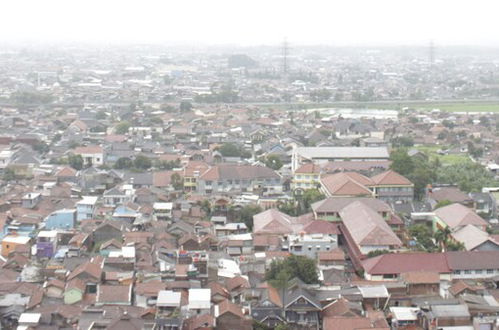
(446, 160)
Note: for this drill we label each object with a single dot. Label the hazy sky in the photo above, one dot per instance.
(352, 22)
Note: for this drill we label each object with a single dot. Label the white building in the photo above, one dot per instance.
(85, 208)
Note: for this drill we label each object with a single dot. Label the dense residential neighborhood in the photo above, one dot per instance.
(154, 189)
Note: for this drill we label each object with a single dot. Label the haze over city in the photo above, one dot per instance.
(358, 22)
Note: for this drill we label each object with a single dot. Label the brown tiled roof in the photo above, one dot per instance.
(347, 183)
(350, 323)
(333, 255)
(457, 215)
(396, 263)
(452, 194)
(390, 177)
(149, 288)
(367, 227)
(66, 172)
(228, 307)
(309, 168)
(114, 294)
(236, 282)
(421, 277)
(238, 172)
(88, 150)
(217, 288)
(91, 268)
(321, 227)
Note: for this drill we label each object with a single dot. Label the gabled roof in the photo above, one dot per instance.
(321, 227)
(396, 263)
(238, 172)
(336, 204)
(228, 307)
(458, 215)
(272, 221)
(390, 178)
(472, 237)
(309, 168)
(347, 183)
(366, 226)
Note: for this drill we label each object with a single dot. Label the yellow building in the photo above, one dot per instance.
(9, 243)
(306, 177)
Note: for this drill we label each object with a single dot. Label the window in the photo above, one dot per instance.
(467, 271)
(457, 272)
(490, 271)
(478, 271)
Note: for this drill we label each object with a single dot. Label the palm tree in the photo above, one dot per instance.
(442, 237)
(281, 281)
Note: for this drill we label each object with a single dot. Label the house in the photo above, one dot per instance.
(346, 184)
(108, 230)
(85, 208)
(199, 301)
(449, 265)
(114, 295)
(162, 211)
(74, 291)
(92, 155)
(61, 219)
(329, 208)
(11, 243)
(451, 194)
(146, 293)
(364, 231)
(230, 316)
(475, 239)
(301, 308)
(306, 177)
(456, 216)
(30, 200)
(269, 309)
(273, 222)
(321, 155)
(46, 243)
(391, 187)
(168, 301)
(310, 245)
(226, 178)
(388, 186)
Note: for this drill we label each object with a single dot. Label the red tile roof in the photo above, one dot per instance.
(391, 178)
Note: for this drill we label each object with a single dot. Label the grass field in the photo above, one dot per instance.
(432, 152)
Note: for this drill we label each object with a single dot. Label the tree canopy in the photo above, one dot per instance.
(293, 266)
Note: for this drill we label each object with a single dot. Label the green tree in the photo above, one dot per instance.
(185, 106)
(442, 237)
(9, 174)
(122, 127)
(246, 214)
(442, 203)
(123, 163)
(423, 236)
(295, 266)
(177, 181)
(402, 163)
(142, 162)
(274, 162)
(309, 197)
(75, 161)
(101, 115)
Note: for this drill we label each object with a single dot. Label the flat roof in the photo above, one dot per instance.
(343, 152)
(16, 239)
(168, 298)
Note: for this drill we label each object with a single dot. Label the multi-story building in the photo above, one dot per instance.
(85, 209)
